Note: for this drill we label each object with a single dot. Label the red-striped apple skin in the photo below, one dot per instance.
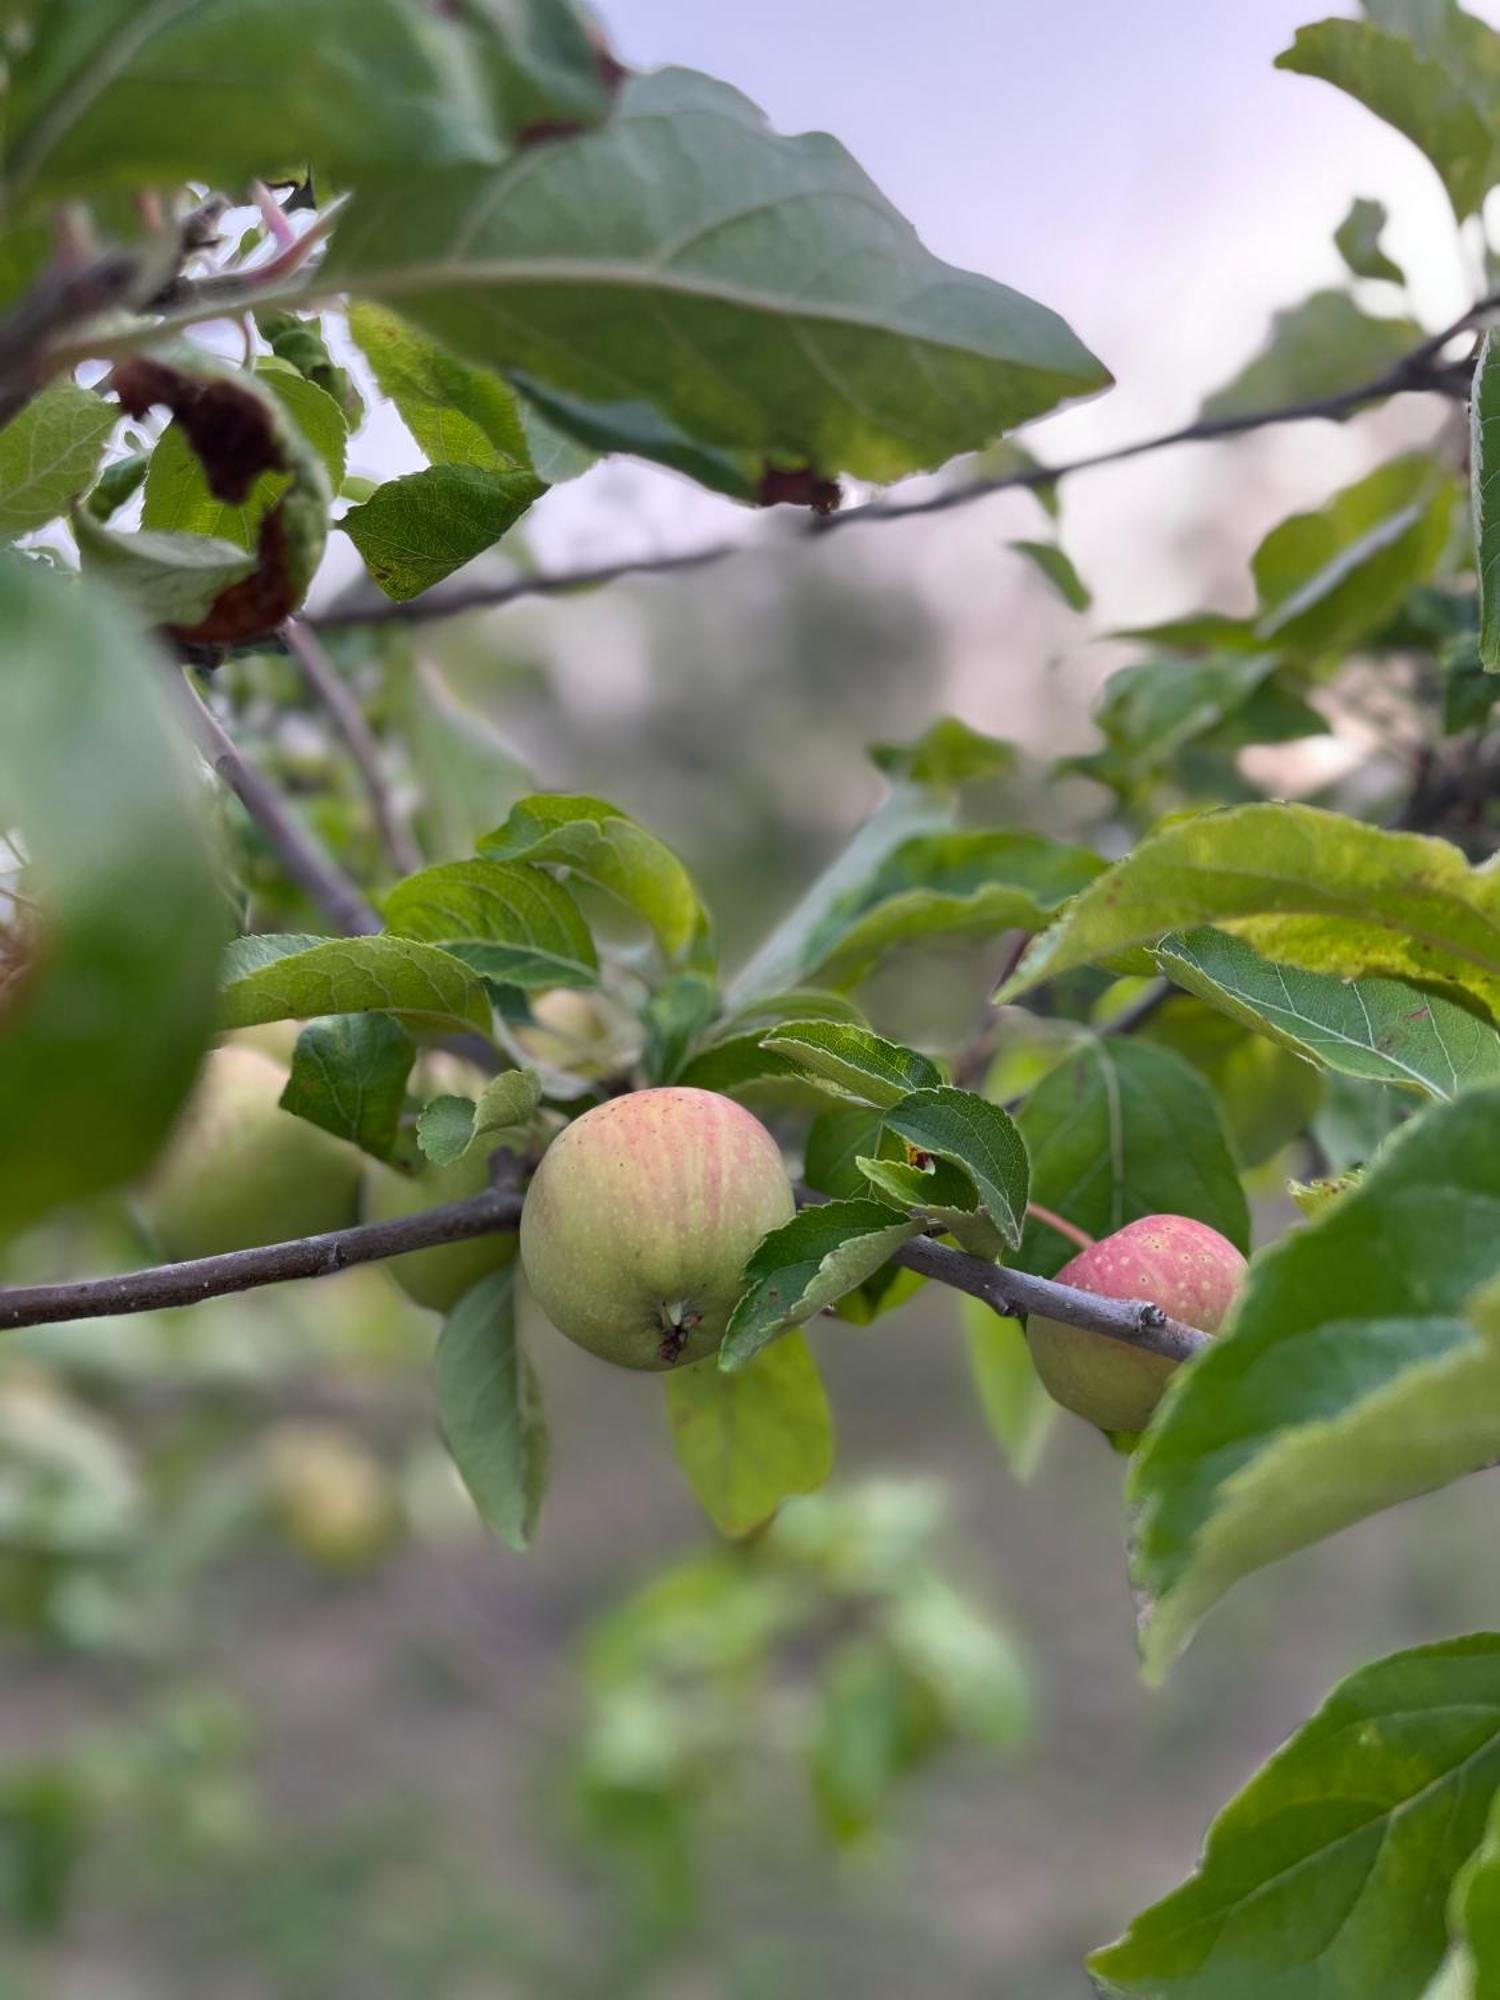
(640, 1218)
(1183, 1266)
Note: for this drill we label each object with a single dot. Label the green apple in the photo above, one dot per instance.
(240, 1171)
(332, 1499)
(640, 1218)
(1183, 1266)
(437, 1278)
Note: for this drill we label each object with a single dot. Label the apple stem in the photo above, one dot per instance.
(1061, 1224)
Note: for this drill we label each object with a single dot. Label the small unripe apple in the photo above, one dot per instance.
(639, 1221)
(437, 1278)
(1186, 1268)
(333, 1500)
(240, 1171)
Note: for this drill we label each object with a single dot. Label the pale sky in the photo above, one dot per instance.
(1141, 168)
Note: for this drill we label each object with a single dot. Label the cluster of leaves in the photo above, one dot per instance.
(830, 1642)
(535, 259)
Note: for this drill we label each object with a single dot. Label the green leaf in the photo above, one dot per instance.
(637, 428)
(1358, 240)
(1328, 579)
(314, 411)
(104, 1012)
(874, 1723)
(1056, 565)
(1267, 1095)
(751, 1439)
(1350, 1380)
(1319, 348)
(118, 482)
(444, 1129)
(510, 921)
(756, 290)
(737, 1063)
(547, 75)
(1330, 1873)
(1416, 92)
(171, 579)
(450, 1126)
(49, 454)
(110, 95)
(948, 886)
(468, 774)
(835, 1141)
(416, 530)
(1485, 471)
(675, 1015)
(1311, 888)
(1151, 711)
(935, 1192)
(947, 753)
(293, 978)
(786, 955)
(800, 1003)
(604, 845)
(490, 1408)
(1474, 1915)
(1016, 1407)
(349, 1076)
(1119, 1130)
(807, 1264)
(458, 414)
(1374, 1028)
(852, 1062)
(965, 1130)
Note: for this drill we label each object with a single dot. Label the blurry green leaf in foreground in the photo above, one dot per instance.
(751, 1439)
(1377, 1028)
(1331, 1872)
(110, 934)
(1309, 888)
(1362, 1367)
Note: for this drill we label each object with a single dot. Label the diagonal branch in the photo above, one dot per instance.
(303, 858)
(348, 719)
(1422, 370)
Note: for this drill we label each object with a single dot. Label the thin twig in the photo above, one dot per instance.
(302, 856)
(1414, 372)
(203, 1278)
(359, 739)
